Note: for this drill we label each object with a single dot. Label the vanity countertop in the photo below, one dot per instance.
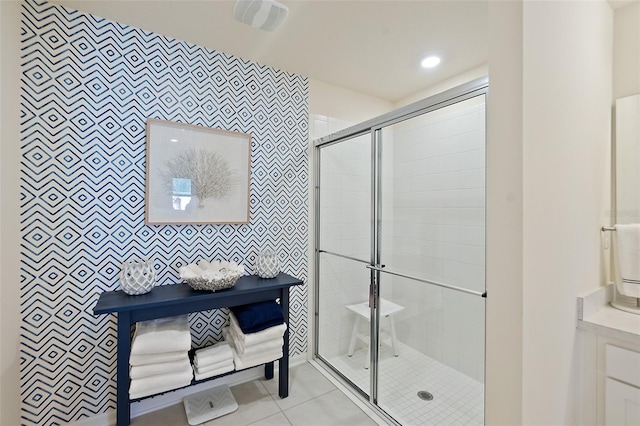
(596, 314)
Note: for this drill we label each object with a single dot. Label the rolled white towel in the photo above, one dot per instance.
(249, 350)
(146, 370)
(162, 335)
(147, 359)
(205, 374)
(160, 383)
(160, 389)
(210, 355)
(215, 264)
(217, 366)
(242, 362)
(214, 367)
(231, 336)
(259, 337)
(247, 362)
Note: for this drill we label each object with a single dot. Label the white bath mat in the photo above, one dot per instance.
(209, 404)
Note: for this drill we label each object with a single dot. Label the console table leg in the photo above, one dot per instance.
(283, 363)
(283, 376)
(123, 414)
(268, 370)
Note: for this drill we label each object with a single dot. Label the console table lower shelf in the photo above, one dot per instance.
(180, 299)
(268, 374)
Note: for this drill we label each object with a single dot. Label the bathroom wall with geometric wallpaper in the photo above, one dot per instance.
(87, 87)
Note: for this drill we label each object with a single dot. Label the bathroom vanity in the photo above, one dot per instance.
(608, 340)
(609, 361)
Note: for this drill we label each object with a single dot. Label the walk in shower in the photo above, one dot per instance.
(400, 258)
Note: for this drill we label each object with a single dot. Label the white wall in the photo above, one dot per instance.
(503, 382)
(626, 51)
(9, 229)
(344, 104)
(462, 78)
(567, 48)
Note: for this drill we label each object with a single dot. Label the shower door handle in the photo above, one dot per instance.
(422, 280)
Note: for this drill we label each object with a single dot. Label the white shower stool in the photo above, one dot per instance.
(387, 310)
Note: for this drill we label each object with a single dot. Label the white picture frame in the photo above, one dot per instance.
(195, 174)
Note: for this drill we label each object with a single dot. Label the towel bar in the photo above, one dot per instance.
(608, 228)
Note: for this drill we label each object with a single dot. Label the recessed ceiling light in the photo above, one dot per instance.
(430, 62)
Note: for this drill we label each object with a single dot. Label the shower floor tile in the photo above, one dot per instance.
(457, 398)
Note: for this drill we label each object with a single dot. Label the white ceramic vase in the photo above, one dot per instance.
(137, 277)
(268, 265)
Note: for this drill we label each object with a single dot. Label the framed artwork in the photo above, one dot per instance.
(196, 174)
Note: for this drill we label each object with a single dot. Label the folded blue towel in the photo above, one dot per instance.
(258, 316)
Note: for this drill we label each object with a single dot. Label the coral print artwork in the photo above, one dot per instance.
(196, 174)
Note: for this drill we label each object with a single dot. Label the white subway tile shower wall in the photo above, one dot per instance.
(345, 214)
(439, 233)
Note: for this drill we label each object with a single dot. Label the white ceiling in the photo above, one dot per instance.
(373, 46)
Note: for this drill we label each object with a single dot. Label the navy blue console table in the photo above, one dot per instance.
(180, 299)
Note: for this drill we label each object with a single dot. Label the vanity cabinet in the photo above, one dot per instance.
(608, 358)
(622, 386)
(620, 379)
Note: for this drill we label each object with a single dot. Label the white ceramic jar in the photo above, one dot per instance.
(137, 277)
(268, 265)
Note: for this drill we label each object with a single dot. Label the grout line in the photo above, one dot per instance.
(436, 377)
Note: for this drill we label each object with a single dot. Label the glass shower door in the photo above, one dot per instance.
(400, 258)
(344, 250)
(431, 221)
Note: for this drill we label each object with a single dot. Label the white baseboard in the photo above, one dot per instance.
(104, 419)
(171, 398)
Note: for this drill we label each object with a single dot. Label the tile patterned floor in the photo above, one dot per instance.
(458, 399)
(313, 400)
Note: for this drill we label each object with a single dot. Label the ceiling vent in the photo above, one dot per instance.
(264, 14)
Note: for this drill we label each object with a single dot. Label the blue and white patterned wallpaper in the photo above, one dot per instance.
(88, 86)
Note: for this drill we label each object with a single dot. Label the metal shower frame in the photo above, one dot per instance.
(374, 127)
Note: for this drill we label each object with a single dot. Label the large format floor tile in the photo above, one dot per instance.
(305, 383)
(312, 400)
(332, 408)
(276, 420)
(169, 416)
(254, 403)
